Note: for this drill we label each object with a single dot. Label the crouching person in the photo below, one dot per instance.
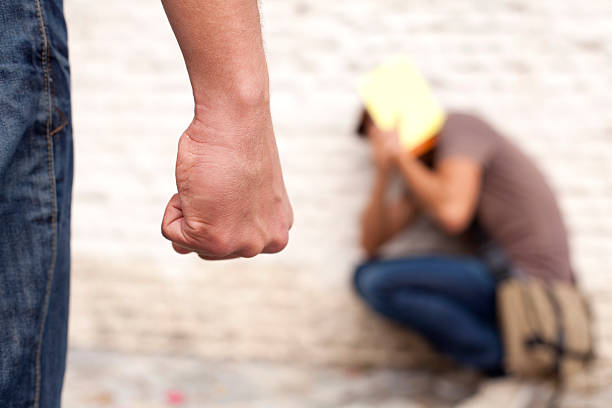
(477, 177)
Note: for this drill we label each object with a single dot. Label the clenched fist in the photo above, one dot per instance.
(231, 199)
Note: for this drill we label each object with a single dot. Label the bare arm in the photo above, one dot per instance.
(450, 193)
(381, 219)
(222, 46)
(231, 198)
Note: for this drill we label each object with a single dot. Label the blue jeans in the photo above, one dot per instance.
(35, 195)
(448, 300)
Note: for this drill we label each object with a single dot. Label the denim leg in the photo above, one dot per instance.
(35, 196)
(450, 301)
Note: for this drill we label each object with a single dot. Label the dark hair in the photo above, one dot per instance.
(361, 129)
(429, 158)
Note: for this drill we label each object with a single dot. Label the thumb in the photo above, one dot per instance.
(172, 224)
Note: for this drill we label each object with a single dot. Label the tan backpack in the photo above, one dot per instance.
(546, 328)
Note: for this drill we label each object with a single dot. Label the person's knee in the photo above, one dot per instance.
(366, 280)
(359, 271)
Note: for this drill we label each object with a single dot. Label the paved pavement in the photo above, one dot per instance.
(98, 379)
(115, 380)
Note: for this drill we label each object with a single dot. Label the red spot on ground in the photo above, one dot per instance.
(175, 397)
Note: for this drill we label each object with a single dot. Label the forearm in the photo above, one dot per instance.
(450, 194)
(222, 47)
(426, 186)
(373, 221)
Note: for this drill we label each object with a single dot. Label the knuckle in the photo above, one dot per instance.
(281, 245)
(251, 251)
(254, 246)
(220, 245)
(213, 241)
(219, 249)
(279, 242)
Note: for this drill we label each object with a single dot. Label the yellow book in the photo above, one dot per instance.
(397, 96)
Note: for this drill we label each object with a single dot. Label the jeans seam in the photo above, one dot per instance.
(62, 125)
(51, 173)
(63, 118)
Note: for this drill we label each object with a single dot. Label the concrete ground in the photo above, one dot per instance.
(115, 380)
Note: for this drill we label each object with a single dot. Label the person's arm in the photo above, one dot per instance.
(382, 220)
(223, 50)
(450, 193)
(231, 198)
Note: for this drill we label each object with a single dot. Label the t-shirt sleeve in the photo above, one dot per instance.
(466, 136)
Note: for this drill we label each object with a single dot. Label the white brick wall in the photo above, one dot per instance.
(538, 70)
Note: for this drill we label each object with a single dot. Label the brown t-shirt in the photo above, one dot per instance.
(516, 208)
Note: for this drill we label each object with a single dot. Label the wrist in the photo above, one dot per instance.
(404, 158)
(234, 109)
(236, 91)
(383, 174)
(395, 157)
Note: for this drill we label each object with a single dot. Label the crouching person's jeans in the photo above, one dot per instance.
(35, 195)
(448, 300)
